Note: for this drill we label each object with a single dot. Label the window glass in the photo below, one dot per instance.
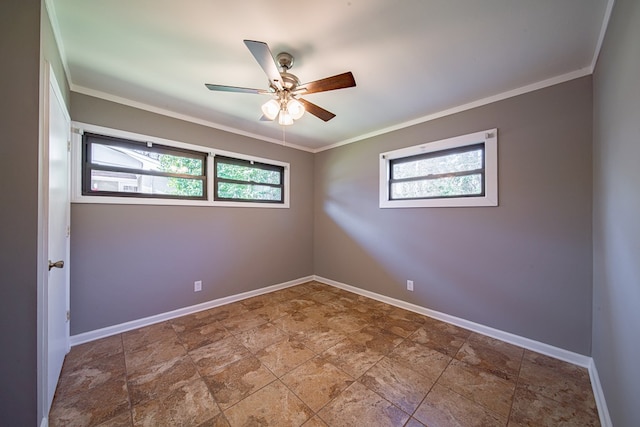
(129, 168)
(458, 171)
(248, 181)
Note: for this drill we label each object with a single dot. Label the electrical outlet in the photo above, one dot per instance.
(410, 285)
(197, 286)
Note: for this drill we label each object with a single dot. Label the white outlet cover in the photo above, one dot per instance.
(197, 286)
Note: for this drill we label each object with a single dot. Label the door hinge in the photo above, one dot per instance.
(68, 146)
(76, 130)
(68, 230)
(68, 315)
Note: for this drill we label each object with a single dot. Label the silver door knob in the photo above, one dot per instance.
(57, 264)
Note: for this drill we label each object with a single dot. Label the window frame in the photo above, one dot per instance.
(489, 138)
(76, 147)
(246, 163)
(89, 138)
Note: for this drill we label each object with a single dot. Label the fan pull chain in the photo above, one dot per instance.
(284, 135)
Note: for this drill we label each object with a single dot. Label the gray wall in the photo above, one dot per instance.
(19, 121)
(133, 261)
(522, 267)
(616, 226)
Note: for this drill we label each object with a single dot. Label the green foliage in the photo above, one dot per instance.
(185, 166)
(249, 188)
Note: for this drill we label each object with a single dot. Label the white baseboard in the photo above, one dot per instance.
(539, 347)
(598, 394)
(139, 323)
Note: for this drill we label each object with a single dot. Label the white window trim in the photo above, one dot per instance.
(76, 171)
(490, 139)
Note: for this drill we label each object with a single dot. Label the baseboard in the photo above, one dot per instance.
(598, 394)
(139, 323)
(539, 347)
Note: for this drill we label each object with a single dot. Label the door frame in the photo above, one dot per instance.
(48, 81)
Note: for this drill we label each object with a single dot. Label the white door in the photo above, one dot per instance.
(58, 237)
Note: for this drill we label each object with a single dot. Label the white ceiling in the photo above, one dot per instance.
(412, 59)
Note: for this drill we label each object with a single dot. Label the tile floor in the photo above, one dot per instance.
(315, 355)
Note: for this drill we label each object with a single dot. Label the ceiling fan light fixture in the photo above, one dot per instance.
(271, 109)
(295, 109)
(285, 118)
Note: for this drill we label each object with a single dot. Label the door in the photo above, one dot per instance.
(57, 292)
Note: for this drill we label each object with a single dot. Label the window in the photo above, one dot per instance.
(460, 171)
(113, 166)
(248, 181)
(124, 168)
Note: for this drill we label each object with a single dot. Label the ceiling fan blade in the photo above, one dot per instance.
(223, 88)
(339, 81)
(319, 112)
(260, 51)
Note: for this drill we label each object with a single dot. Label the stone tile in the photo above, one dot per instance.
(352, 357)
(195, 320)
(295, 304)
(211, 358)
(80, 377)
(492, 355)
(260, 337)
(557, 380)
(142, 338)
(319, 338)
(297, 322)
(322, 296)
(376, 339)
(492, 392)
(82, 354)
(346, 322)
(163, 379)
(414, 423)
(202, 335)
(317, 382)
(122, 420)
(91, 407)
(238, 380)
(154, 353)
(258, 301)
(285, 355)
(400, 327)
(358, 406)
(245, 321)
(273, 405)
(420, 358)
(443, 407)
(223, 312)
(191, 404)
(402, 314)
(398, 384)
(529, 408)
(151, 414)
(217, 421)
(315, 422)
(441, 336)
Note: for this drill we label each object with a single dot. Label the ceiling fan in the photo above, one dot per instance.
(287, 104)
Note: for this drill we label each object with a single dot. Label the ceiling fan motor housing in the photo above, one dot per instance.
(285, 60)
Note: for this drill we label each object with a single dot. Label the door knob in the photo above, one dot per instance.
(57, 264)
